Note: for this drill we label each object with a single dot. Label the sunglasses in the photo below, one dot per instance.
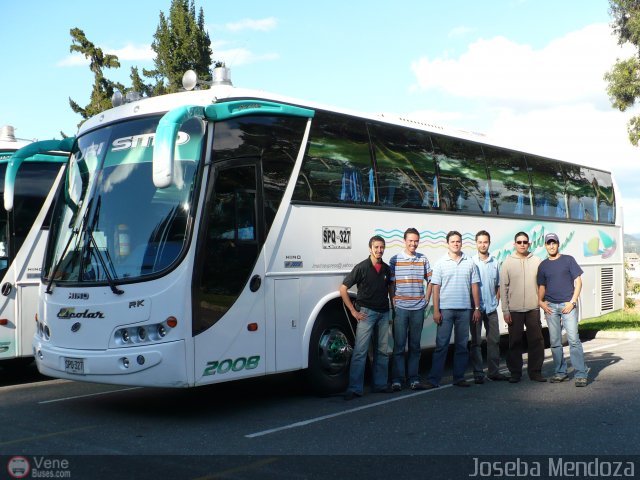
(522, 242)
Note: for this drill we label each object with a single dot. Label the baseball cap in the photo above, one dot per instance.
(551, 237)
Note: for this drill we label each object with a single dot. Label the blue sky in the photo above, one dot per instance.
(526, 72)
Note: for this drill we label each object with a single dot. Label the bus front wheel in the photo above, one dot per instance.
(330, 354)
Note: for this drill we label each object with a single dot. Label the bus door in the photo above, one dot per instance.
(228, 285)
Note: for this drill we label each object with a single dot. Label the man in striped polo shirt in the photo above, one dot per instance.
(409, 270)
(455, 282)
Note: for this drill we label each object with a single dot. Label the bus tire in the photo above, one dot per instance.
(330, 351)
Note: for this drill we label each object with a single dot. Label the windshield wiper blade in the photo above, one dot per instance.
(74, 233)
(96, 251)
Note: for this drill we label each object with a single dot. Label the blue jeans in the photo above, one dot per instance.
(407, 322)
(364, 333)
(458, 321)
(569, 321)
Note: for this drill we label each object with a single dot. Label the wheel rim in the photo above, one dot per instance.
(334, 351)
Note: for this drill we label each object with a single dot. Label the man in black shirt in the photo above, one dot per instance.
(372, 276)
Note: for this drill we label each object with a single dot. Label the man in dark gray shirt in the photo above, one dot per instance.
(373, 277)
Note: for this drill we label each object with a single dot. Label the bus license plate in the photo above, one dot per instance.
(74, 365)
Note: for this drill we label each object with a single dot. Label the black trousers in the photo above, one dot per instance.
(535, 343)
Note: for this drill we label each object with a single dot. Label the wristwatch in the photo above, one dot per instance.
(574, 304)
(477, 308)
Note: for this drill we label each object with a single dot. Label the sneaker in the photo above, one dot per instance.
(417, 385)
(581, 382)
(559, 378)
(397, 386)
(386, 389)
(537, 378)
(478, 380)
(498, 377)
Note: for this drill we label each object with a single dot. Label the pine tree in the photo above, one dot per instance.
(181, 43)
(103, 88)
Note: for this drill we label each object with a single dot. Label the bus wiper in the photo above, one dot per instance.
(73, 235)
(96, 251)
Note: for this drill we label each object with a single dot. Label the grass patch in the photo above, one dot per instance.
(622, 320)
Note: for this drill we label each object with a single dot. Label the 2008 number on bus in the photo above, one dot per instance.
(231, 365)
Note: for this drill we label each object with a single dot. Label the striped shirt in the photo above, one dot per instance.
(409, 274)
(455, 279)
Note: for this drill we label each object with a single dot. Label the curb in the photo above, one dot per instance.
(591, 334)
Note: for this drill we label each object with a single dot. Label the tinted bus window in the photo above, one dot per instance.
(510, 184)
(462, 181)
(581, 195)
(603, 201)
(337, 167)
(33, 183)
(548, 187)
(406, 167)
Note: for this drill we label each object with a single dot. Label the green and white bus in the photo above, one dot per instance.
(23, 234)
(201, 236)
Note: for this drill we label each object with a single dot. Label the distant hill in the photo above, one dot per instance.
(631, 243)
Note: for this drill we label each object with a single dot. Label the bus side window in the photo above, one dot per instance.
(462, 174)
(337, 167)
(510, 189)
(406, 167)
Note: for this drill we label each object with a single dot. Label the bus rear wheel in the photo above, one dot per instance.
(329, 355)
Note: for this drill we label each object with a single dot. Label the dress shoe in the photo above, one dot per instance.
(462, 383)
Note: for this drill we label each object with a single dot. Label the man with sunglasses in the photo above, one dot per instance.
(559, 286)
(520, 309)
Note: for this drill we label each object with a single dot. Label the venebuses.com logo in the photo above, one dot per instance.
(38, 467)
(18, 467)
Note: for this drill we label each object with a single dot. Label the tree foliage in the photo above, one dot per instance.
(623, 80)
(103, 88)
(181, 43)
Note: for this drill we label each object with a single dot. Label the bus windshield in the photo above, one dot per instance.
(110, 223)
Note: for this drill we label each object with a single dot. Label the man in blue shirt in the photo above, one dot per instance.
(455, 281)
(409, 271)
(489, 272)
(559, 286)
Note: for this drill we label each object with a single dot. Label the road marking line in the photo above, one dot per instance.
(20, 386)
(395, 399)
(48, 435)
(89, 395)
(344, 412)
(610, 345)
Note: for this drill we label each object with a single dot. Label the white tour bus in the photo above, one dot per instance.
(202, 236)
(31, 179)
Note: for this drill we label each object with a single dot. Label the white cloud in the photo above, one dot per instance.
(499, 69)
(460, 31)
(263, 24)
(133, 53)
(236, 56)
(126, 53)
(551, 101)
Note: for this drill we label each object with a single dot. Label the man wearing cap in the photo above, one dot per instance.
(559, 285)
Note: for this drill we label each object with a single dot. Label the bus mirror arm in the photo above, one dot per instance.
(21, 155)
(165, 142)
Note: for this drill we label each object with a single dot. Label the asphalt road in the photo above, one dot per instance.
(273, 428)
